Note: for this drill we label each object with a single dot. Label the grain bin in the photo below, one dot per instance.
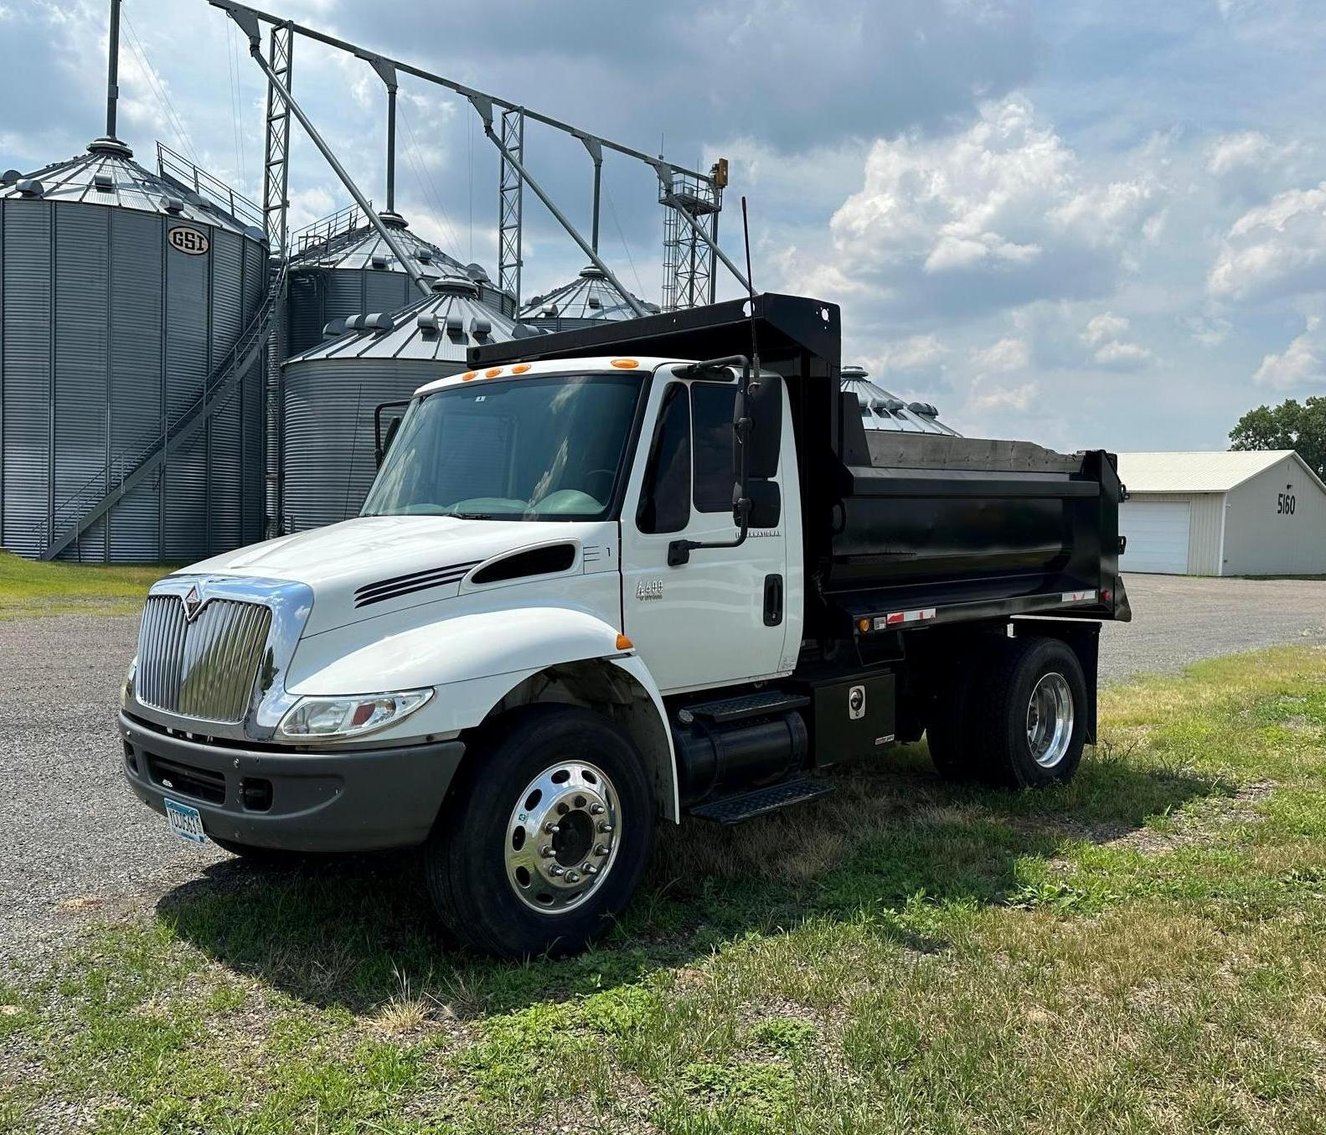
(342, 267)
(587, 300)
(131, 432)
(331, 391)
(881, 410)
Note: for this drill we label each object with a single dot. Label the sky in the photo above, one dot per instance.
(1088, 223)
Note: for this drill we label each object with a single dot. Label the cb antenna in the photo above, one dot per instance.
(750, 289)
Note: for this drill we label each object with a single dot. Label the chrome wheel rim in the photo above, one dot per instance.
(1050, 720)
(562, 837)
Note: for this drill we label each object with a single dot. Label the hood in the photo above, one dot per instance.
(372, 565)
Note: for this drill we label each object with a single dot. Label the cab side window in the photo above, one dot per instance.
(665, 501)
(714, 441)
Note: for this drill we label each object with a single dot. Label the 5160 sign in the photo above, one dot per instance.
(1284, 502)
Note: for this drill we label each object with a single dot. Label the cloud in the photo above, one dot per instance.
(1301, 364)
(1104, 334)
(986, 396)
(1274, 250)
(1006, 354)
(999, 215)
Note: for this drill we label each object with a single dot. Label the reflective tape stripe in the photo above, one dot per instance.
(897, 618)
(1078, 596)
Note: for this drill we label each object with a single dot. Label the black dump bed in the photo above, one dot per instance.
(899, 529)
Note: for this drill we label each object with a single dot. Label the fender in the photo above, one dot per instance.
(475, 661)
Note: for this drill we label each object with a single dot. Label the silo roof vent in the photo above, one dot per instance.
(30, 187)
(103, 183)
(334, 329)
(427, 322)
(925, 409)
(477, 272)
(9, 177)
(105, 145)
(893, 405)
(592, 272)
(455, 327)
(480, 328)
(393, 220)
(172, 204)
(378, 321)
(379, 260)
(855, 372)
(456, 286)
(424, 254)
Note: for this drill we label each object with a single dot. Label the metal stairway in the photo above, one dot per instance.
(134, 465)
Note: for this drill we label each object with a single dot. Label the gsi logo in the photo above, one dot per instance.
(191, 242)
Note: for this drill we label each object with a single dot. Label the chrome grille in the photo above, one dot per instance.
(204, 669)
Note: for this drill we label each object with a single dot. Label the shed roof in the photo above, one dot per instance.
(1198, 471)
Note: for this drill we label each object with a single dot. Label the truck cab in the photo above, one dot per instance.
(611, 577)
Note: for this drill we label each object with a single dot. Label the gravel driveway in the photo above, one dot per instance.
(75, 843)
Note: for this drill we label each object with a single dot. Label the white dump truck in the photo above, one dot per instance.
(619, 576)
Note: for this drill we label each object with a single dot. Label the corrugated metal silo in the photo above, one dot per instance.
(131, 430)
(588, 299)
(331, 391)
(881, 410)
(342, 267)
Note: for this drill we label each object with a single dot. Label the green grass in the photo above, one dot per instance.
(29, 588)
(1143, 950)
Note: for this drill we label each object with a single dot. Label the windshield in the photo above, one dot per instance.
(549, 448)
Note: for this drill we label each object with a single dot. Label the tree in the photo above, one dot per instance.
(1286, 426)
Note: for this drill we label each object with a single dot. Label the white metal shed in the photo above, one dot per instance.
(1260, 512)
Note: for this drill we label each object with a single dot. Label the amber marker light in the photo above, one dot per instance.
(520, 368)
(492, 372)
(625, 364)
(624, 643)
(468, 376)
(863, 625)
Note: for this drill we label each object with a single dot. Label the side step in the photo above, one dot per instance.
(759, 704)
(748, 805)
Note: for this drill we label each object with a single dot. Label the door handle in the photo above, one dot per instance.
(773, 600)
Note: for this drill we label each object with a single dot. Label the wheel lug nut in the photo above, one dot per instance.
(546, 851)
(563, 808)
(600, 850)
(573, 876)
(605, 828)
(596, 809)
(590, 869)
(551, 828)
(556, 870)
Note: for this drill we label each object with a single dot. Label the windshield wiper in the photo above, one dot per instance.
(471, 515)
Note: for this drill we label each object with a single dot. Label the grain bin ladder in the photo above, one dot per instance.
(131, 467)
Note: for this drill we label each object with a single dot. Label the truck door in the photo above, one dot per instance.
(721, 617)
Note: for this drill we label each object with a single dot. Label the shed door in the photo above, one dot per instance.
(1157, 534)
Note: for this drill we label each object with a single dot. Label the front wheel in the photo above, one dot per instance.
(545, 837)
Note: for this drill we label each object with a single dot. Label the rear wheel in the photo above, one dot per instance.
(546, 836)
(1029, 714)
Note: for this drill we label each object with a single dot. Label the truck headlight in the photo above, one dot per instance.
(353, 716)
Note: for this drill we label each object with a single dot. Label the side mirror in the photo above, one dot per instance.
(762, 404)
(382, 442)
(766, 504)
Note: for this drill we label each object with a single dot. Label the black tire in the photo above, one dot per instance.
(466, 858)
(999, 712)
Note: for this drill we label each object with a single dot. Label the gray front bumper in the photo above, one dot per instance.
(360, 800)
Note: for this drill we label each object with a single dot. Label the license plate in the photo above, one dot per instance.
(185, 822)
